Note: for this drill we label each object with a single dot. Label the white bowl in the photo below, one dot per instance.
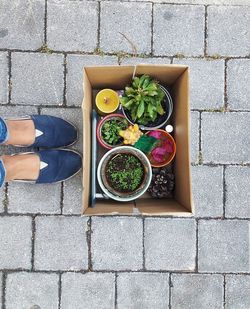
(124, 197)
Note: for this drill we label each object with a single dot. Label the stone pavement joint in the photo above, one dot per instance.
(88, 236)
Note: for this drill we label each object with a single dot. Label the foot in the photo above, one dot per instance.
(18, 167)
(21, 132)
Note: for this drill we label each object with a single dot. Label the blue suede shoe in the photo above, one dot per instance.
(53, 132)
(50, 131)
(58, 165)
(55, 166)
(2, 173)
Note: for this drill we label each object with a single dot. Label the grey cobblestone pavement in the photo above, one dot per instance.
(53, 258)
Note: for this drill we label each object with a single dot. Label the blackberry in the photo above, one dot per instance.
(162, 184)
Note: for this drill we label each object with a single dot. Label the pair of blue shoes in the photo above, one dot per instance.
(51, 132)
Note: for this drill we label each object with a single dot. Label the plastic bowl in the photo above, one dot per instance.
(171, 157)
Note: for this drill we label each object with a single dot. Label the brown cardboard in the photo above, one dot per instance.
(117, 77)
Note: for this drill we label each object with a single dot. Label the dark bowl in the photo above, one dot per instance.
(160, 121)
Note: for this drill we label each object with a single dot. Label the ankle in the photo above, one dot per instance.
(10, 167)
(21, 167)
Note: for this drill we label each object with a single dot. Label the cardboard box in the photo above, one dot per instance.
(117, 77)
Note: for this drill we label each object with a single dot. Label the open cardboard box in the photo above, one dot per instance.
(117, 77)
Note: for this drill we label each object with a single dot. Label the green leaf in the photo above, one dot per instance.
(150, 110)
(152, 87)
(123, 100)
(154, 117)
(152, 93)
(129, 90)
(146, 82)
(129, 103)
(142, 79)
(141, 109)
(161, 94)
(135, 82)
(134, 113)
(159, 109)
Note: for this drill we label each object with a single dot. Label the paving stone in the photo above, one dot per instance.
(230, 142)
(72, 25)
(116, 243)
(1, 282)
(17, 111)
(31, 290)
(138, 60)
(238, 92)
(237, 291)
(178, 29)
(22, 24)
(72, 197)
(132, 20)
(197, 291)
(30, 198)
(206, 82)
(37, 79)
(7, 150)
(194, 139)
(228, 30)
(73, 115)
(15, 242)
(207, 185)
(90, 290)
(60, 243)
(4, 76)
(2, 198)
(223, 246)
(237, 192)
(75, 64)
(170, 244)
(142, 290)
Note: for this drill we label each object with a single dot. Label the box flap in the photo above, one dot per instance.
(86, 110)
(165, 74)
(181, 122)
(110, 208)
